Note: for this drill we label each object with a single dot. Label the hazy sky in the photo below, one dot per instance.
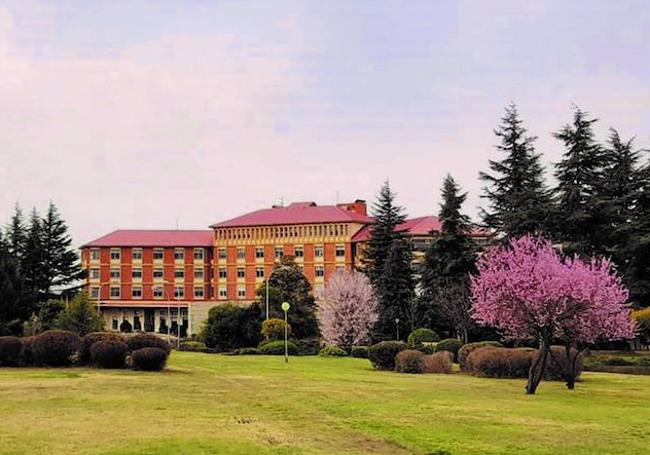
(136, 114)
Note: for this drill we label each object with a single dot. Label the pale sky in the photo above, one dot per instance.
(136, 114)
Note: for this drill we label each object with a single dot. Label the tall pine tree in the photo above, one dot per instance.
(14, 306)
(579, 215)
(31, 263)
(16, 234)
(637, 269)
(444, 301)
(519, 200)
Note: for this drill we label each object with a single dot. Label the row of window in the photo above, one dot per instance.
(298, 252)
(115, 292)
(273, 232)
(158, 254)
(136, 273)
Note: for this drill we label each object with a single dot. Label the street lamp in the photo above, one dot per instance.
(285, 308)
(397, 327)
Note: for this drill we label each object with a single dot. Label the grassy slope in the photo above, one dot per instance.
(217, 404)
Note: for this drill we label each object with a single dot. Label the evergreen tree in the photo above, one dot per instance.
(387, 216)
(31, 263)
(287, 283)
(80, 316)
(395, 293)
(14, 307)
(444, 284)
(637, 269)
(16, 235)
(579, 216)
(519, 201)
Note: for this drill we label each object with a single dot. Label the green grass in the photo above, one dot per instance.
(205, 404)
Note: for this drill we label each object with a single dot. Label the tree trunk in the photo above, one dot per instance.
(537, 368)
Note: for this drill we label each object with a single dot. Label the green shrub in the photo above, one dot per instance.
(55, 348)
(467, 349)
(273, 329)
(248, 351)
(80, 316)
(616, 361)
(193, 346)
(441, 362)
(382, 355)
(231, 326)
(427, 349)
(452, 345)
(11, 351)
(332, 351)
(147, 340)
(409, 361)
(495, 362)
(148, 359)
(360, 352)
(308, 346)
(108, 353)
(276, 347)
(421, 336)
(88, 340)
(644, 361)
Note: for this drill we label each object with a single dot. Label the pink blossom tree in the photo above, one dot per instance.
(528, 291)
(349, 310)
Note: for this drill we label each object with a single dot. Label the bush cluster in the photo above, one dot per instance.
(382, 355)
(147, 340)
(496, 362)
(11, 351)
(360, 352)
(409, 361)
(248, 351)
(308, 346)
(467, 349)
(421, 336)
(231, 326)
(276, 347)
(273, 329)
(452, 345)
(148, 359)
(557, 365)
(55, 348)
(88, 340)
(193, 346)
(441, 362)
(332, 351)
(108, 353)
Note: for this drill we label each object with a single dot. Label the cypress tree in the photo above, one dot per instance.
(579, 215)
(387, 215)
(444, 283)
(519, 200)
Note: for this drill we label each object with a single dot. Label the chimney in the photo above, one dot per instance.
(358, 206)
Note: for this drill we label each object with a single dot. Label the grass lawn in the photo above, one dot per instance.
(205, 404)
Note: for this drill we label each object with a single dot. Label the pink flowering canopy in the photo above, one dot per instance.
(349, 311)
(526, 288)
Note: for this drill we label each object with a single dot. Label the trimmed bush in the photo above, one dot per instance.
(108, 353)
(273, 329)
(147, 340)
(27, 356)
(276, 347)
(92, 338)
(452, 345)
(409, 361)
(55, 348)
(495, 362)
(421, 336)
(557, 366)
(332, 351)
(360, 352)
(248, 351)
(441, 362)
(148, 359)
(426, 349)
(11, 351)
(467, 349)
(308, 346)
(382, 355)
(230, 326)
(193, 346)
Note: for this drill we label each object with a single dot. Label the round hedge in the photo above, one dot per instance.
(409, 361)
(451, 345)
(276, 347)
(148, 359)
(273, 329)
(88, 340)
(55, 348)
(11, 351)
(147, 340)
(466, 350)
(422, 335)
(382, 355)
(109, 353)
(360, 352)
(332, 351)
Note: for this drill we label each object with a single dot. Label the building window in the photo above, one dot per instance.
(115, 254)
(259, 253)
(93, 273)
(179, 292)
(298, 252)
(241, 272)
(158, 292)
(158, 254)
(136, 274)
(136, 254)
(136, 292)
(94, 292)
(199, 254)
(115, 292)
(241, 253)
(223, 272)
(320, 271)
(318, 251)
(179, 273)
(223, 293)
(259, 272)
(198, 292)
(114, 324)
(279, 252)
(94, 254)
(179, 254)
(198, 274)
(241, 292)
(157, 273)
(115, 274)
(222, 253)
(340, 251)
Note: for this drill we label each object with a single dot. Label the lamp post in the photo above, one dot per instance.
(285, 308)
(267, 297)
(397, 327)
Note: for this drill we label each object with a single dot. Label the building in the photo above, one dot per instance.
(158, 281)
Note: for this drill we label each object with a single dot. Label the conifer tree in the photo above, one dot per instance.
(16, 234)
(637, 269)
(14, 307)
(387, 215)
(579, 215)
(450, 259)
(80, 316)
(519, 200)
(31, 263)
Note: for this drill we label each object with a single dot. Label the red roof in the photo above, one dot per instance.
(297, 213)
(423, 225)
(135, 238)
